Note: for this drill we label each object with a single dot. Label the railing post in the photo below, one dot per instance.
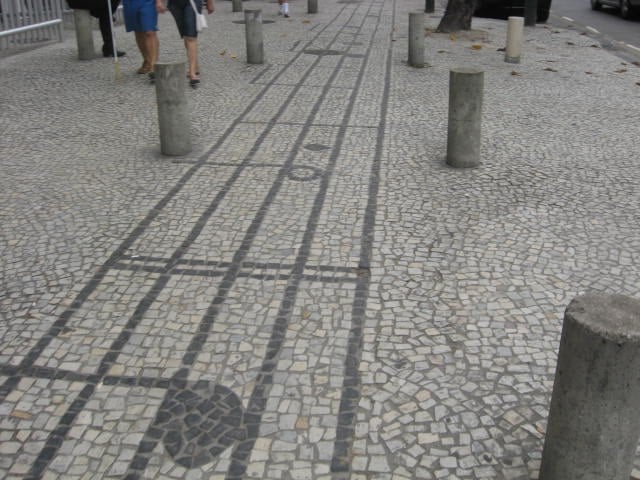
(255, 44)
(514, 40)
(416, 39)
(466, 86)
(236, 5)
(173, 114)
(594, 418)
(312, 6)
(429, 6)
(84, 34)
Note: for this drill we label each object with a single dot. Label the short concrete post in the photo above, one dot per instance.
(530, 13)
(84, 34)
(594, 419)
(236, 5)
(255, 44)
(514, 40)
(429, 6)
(466, 87)
(416, 39)
(312, 6)
(173, 112)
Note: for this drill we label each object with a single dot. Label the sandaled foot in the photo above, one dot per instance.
(144, 69)
(194, 82)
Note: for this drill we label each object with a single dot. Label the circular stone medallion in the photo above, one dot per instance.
(199, 423)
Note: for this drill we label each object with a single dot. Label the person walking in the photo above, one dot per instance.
(284, 8)
(185, 17)
(100, 10)
(141, 17)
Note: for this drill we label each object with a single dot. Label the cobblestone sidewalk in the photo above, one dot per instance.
(311, 293)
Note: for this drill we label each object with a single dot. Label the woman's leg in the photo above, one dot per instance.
(191, 44)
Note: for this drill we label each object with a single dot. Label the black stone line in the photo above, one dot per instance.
(257, 77)
(258, 399)
(140, 460)
(351, 388)
(53, 442)
(299, 124)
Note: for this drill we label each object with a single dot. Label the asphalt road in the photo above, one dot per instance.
(606, 24)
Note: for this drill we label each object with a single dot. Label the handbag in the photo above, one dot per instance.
(201, 21)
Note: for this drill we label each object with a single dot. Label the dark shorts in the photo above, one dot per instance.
(184, 16)
(140, 15)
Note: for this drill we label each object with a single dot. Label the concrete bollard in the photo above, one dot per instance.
(429, 6)
(255, 44)
(312, 6)
(530, 13)
(173, 112)
(514, 40)
(594, 418)
(236, 5)
(466, 86)
(416, 39)
(83, 23)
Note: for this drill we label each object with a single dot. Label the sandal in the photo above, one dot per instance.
(193, 82)
(143, 69)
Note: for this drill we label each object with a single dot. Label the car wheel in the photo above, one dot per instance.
(596, 5)
(625, 9)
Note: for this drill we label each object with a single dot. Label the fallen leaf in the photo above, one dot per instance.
(624, 63)
(306, 314)
(501, 50)
(539, 429)
(622, 70)
(453, 38)
(516, 74)
(637, 64)
(570, 43)
(442, 51)
(595, 46)
(589, 73)
(476, 46)
(233, 56)
(223, 52)
(306, 21)
(21, 415)
(549, 69)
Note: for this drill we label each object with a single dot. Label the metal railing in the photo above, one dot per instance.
(28, 22)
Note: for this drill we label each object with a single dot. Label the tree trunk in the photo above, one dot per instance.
(457, 16)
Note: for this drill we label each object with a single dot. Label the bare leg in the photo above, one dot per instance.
(142, 46)
(191, 44)
(152, 47)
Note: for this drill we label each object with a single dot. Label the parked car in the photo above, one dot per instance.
(515, 8)
(627, 7)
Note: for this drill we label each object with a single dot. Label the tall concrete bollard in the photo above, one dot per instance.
(312, 6)
(429, 6)
(594, 419)
(173, 112)
(416, 39)
(83, 23)
(466, 86)
(255, 44)
(514, 40)
(530, 13)
(236, 5)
